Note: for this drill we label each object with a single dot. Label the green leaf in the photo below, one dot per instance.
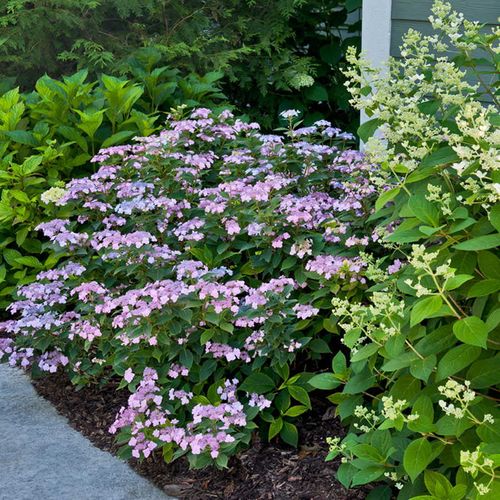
(479, 243)
(275, 428)
(289, 434)
(299, 394)
(367, 129)
(471, 330)
(325, 381)
(21, 136)
(495, 217)
(30, 261)
(425, 308)
(489, 264)
(457, 281)
(437, 484)
(484, 373)
(316, 93)
(351, 5)
(484, 287)
(417, 457)
(331, 54)
(258, 382)
(442, 156)
(457, 359)
(365, 352)
(118, 138)
(422, 368)
(367, 452)
(319, 346)
(295, 411)
(367, 475)
(386, 197)
(424, 210)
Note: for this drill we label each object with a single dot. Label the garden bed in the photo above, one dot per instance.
(262, 472)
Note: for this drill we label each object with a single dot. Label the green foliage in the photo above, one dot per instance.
(50, 135)
(419, 389)
(274, 55)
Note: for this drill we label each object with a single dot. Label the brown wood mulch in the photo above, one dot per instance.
(263, 472)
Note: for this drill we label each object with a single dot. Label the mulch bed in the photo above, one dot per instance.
(263, 472)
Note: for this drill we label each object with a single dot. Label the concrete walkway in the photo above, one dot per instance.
(43, 458)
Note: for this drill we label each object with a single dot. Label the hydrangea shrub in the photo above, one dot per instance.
(420, 384)
(200, 265)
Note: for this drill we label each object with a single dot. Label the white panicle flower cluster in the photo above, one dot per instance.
(377, 322)
(460, 395)
(370, 418)
(474, 462)
(393, 410)
(423, 262)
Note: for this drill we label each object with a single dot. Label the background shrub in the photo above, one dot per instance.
(49, 135)
(274, 55)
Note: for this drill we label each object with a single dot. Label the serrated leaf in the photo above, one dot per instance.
(417, 457)
(479, 243)
(324, 381)
(367, 129)
(457, 359)
(258, 382)
(299, 394)
(471, 330)
(484, 287)
(425, 308)
(275, 428)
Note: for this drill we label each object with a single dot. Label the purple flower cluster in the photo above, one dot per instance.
(195, 254)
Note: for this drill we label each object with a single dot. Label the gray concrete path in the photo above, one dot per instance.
(43, 458)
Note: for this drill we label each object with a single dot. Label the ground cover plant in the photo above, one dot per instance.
(201, 261)
(48, 136)
(419, 388)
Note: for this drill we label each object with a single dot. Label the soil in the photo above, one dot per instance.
(263, 472)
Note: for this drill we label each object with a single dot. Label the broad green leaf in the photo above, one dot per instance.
(325, 381)
(422, 368)
(424, 210)
(437, 484)
(367, 129)
(367, 475)
(425, 308)
(258, 382)
(456, 360)
(30, 261)
(299, 394)
(316, 93)
(471, 330)
(442, 156)
(365, 352)
(275, 428)
(484, 373)
(457, 281)
(295, 411)
(479, 243)
(417, 457)
(118, 138)
(484, 287)
(489, 264)
(289, 434)
(386, 197)
(495, 217)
